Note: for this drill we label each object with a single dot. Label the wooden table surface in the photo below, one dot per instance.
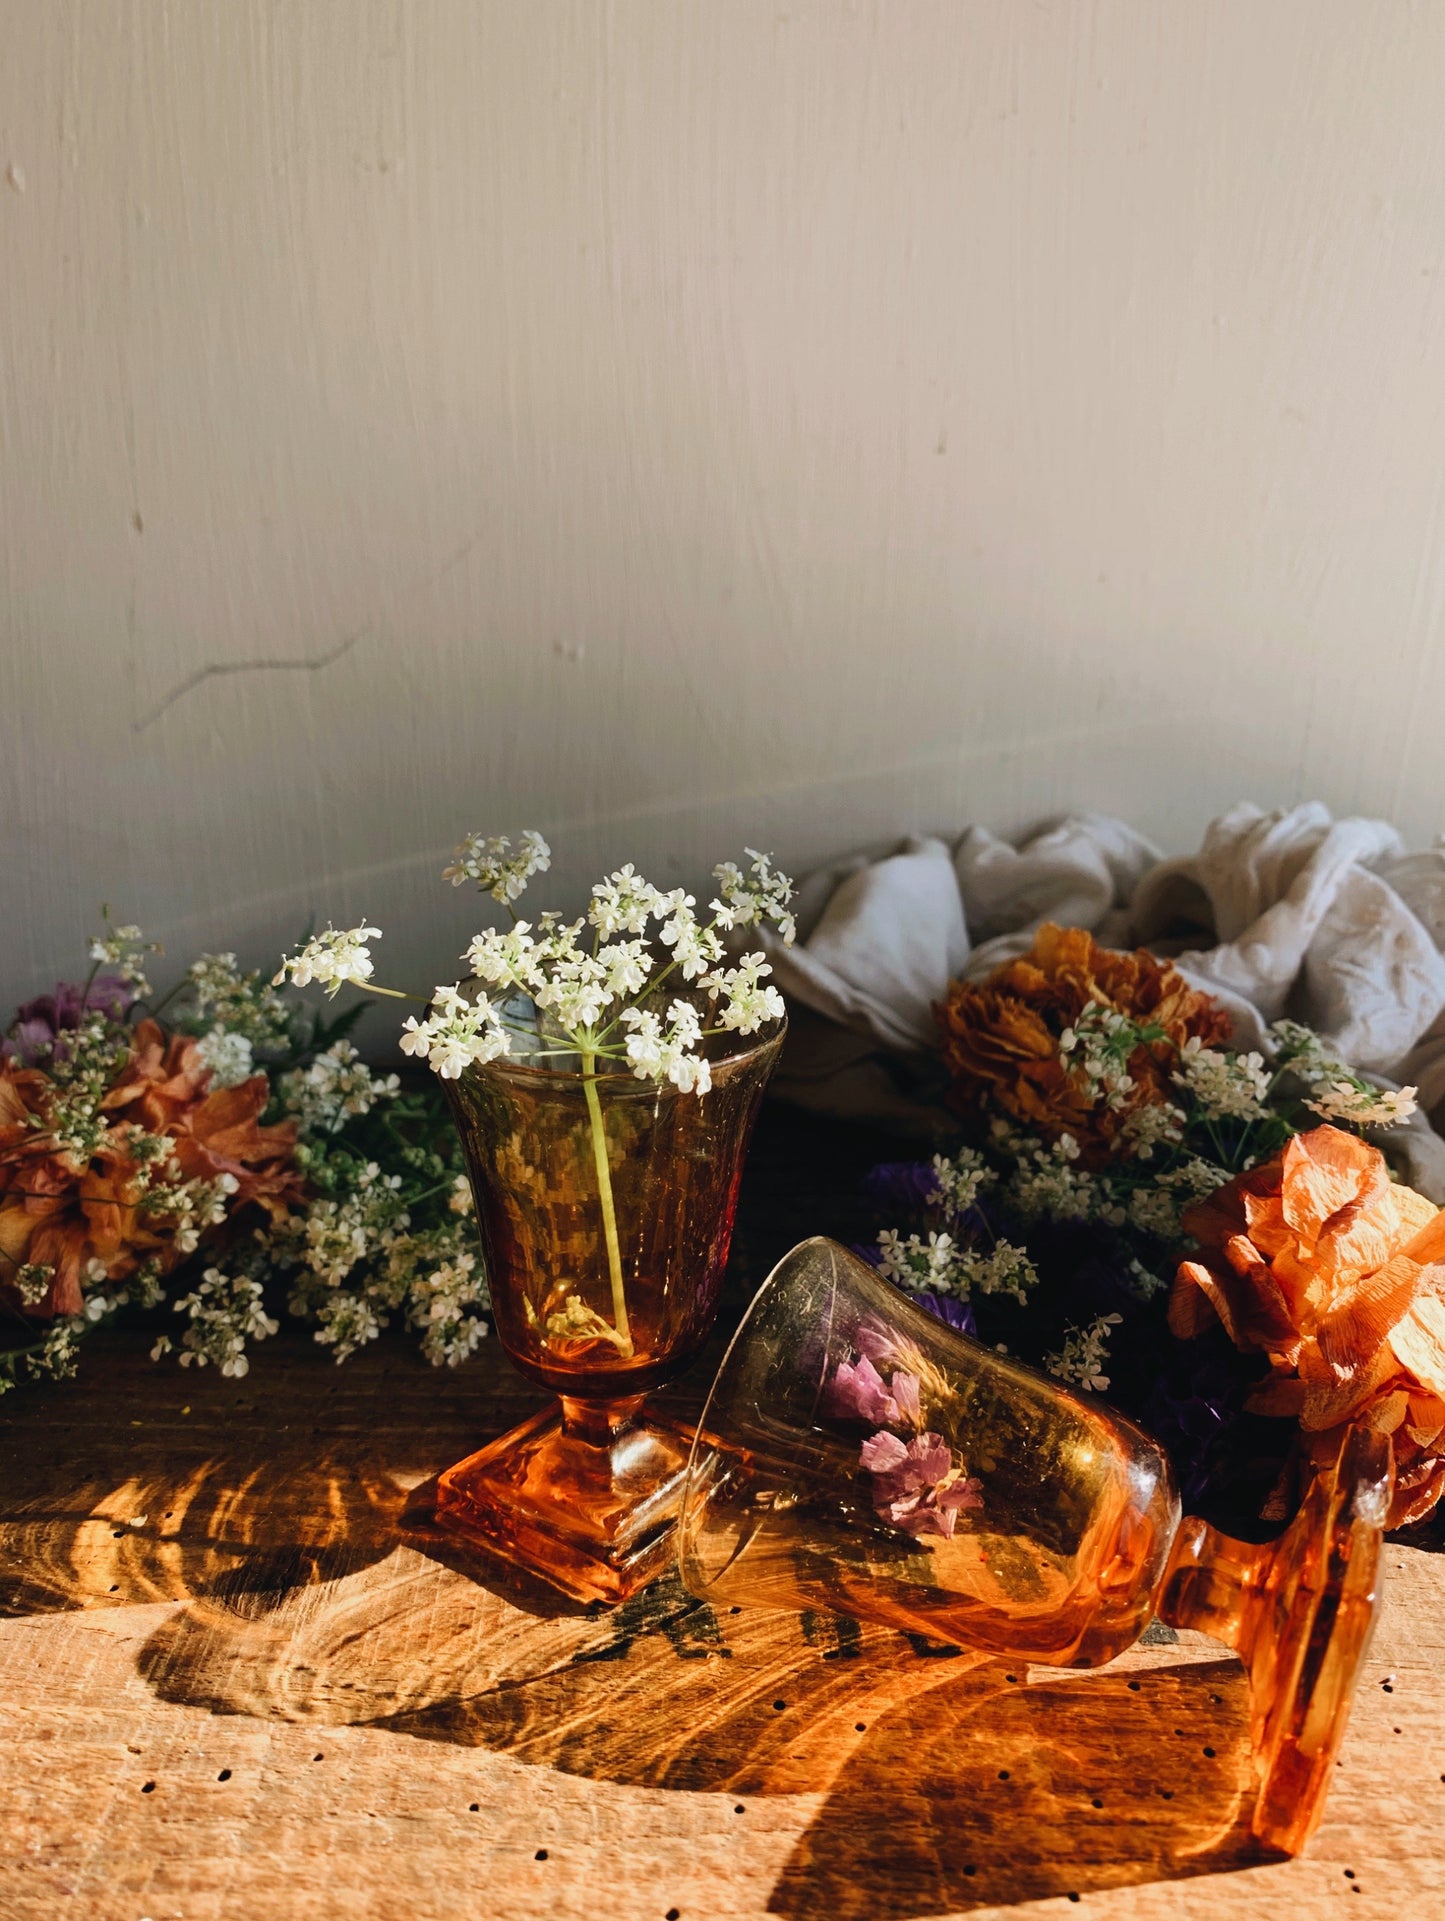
(230, 1688)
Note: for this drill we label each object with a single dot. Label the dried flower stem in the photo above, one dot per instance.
(609, 1211)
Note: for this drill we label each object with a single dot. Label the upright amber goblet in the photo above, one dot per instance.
(606, 1210)
(855, 1454)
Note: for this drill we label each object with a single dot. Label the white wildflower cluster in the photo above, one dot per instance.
(223, 1313)
(584, 978)
(959, 1179)
(142, 1288)
(1081, 1361)
(121, 948)
(1096, 1052)
(1339, 1093)
(189, 1207)
(456, 1033)
(751, 899)
(228, 1055)
(1225, 1086)
(357, 1261)
(1157, 1207)
(1346, 1100)
(336, 1087)
(54, 1357)
(331, 958)
(937, 1264)
(1046, 1182)
(1153, 1125)
(667, 1052)
(245, 1005)
(490, 862)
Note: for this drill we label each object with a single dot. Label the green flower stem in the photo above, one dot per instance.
(604, 1189)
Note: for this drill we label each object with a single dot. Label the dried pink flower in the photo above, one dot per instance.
(917, 1486)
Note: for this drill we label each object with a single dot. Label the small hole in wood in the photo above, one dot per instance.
(778, 1706)
(674, 1914)
(115, 1587)
(1011, 1677)
(1217, 1699)
(969, 1868)
(318, 1757)
(149, 1788)
(1003, 1774)
(1075, 1897)
(118, 1534)
(1096, 1802)
(1208, 1753)
(739, 1810)
(1178, 1730)
(475, 1808)
(1398, 1730)
(1134, 1686)
(224, 1775)
(859, 1726)
(1349, 1874)
(1387, 1687)
(1166, 1794)
(541, 1854)
(734, 1610)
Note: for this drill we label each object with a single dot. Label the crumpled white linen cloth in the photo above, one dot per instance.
(1290, 913)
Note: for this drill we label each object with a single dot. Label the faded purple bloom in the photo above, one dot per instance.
(955, 1314)
(40, 1025)
(916, 1486)
(858, 1393)
(901, 1187)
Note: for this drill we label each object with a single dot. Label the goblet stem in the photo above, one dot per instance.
(1298, 1611)
(609, 1211)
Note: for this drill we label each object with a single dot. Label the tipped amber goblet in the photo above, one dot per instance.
(855, 1454)
(606, 1210)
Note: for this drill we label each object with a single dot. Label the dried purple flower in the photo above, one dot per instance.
(916, 1486)
(37, 1033)
(857, 1393)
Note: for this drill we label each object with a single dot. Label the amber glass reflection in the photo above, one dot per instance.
(858, 1455)
(606, 1211)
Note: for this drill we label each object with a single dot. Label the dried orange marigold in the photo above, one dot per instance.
(1001, 1036)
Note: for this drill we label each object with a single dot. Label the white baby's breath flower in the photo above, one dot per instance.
(331, 958)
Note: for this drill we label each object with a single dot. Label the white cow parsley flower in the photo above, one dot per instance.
(657, 1052)
(624, 903)
(1226, 1086)
(331, 958)
(1085, 1350)
(746, 1004)
(497, 871)
(1363, 1105)
(456, 1034)
(748, 900)
(227, 1055)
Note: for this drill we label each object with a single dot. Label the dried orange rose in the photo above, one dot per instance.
(1317, 1259)
(1001, 1036)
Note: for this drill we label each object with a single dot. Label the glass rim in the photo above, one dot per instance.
(621, 1076)
(772, 1283)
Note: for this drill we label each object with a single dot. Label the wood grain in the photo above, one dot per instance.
(239, 1678)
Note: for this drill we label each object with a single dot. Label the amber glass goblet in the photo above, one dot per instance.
(606, 1210)
(855, 1454)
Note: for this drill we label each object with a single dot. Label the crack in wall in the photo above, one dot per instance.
(264, 665)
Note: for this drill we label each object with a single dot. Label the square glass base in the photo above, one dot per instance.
(587, 1499)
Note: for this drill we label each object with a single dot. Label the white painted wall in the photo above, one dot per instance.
(683, 422)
